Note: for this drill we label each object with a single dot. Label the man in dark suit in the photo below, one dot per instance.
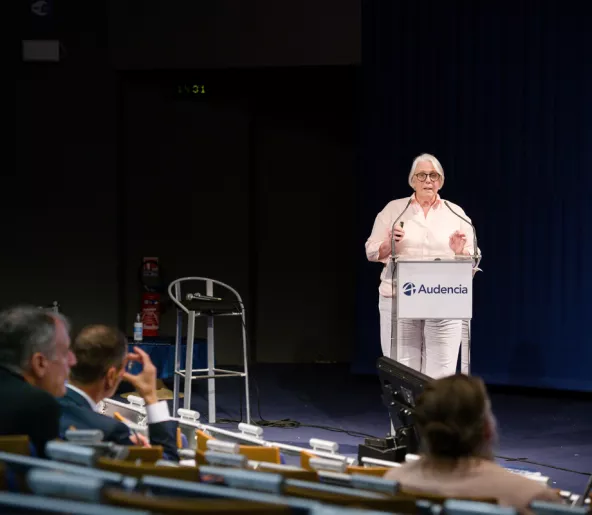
(35, 361)
(101, 354)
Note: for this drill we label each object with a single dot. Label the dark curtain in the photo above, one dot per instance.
(501, 93)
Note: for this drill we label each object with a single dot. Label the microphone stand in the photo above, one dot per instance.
(394, 337)
(476, 261)
(394, 324)
(476, 253)
(393, 229)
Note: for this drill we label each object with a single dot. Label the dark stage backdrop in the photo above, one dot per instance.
(107, 169)
(241, 183)
(501, 93)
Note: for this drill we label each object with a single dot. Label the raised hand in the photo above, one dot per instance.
(145, 381)
(457, 242)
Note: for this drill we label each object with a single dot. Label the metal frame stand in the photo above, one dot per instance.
(211, 373)
(465, 348)
(394, 317)
(465, 341)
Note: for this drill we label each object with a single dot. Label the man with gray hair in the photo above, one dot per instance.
(35, 361)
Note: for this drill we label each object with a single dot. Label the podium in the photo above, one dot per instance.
(437, 288)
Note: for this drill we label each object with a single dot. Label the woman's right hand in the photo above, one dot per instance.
(399, 234)
(385, 247)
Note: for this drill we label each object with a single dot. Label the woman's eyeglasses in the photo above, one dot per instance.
(422, 176)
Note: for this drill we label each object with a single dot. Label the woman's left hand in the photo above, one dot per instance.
(457, 242)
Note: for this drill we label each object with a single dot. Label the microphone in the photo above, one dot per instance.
(195, 296)
(393, 228)
(476, 249)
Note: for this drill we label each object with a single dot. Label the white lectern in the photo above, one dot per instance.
(434, 288)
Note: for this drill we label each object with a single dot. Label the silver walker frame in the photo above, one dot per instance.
(211, 373)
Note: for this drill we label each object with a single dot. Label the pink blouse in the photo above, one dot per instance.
(425, 236)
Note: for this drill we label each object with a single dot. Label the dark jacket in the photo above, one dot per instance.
(77, 412)
(27, 410)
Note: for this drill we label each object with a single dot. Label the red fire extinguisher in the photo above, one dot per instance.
(150, 313)
(151, 300)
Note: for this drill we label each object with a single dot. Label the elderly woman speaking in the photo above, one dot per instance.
(430, 227)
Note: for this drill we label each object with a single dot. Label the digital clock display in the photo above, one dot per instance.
(190, 90)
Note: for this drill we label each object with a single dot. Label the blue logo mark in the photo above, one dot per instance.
(409, 289)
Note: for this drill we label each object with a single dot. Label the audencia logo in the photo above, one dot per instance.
(410, 289)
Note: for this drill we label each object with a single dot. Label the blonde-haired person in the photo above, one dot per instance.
(430, 229)
(458, 434)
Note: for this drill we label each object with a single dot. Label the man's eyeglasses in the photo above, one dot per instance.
(422, 176)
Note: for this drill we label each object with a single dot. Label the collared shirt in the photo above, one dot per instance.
(435, 205)
(425, 236)
(155, 413)
(85, 396)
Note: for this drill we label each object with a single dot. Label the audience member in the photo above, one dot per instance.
(35, 361)
(102, 357)
(458, 434)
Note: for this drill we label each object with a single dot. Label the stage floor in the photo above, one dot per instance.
(550, 429)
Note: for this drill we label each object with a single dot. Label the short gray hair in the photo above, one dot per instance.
(435, 163)
(24, 331)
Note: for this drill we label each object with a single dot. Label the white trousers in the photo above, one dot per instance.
(428, 346)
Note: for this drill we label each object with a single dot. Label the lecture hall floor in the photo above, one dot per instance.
(547, 428)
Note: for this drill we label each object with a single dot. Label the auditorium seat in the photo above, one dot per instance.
(16, 444)
(346, 497)
(287, 471)
(13, 503)
(202, 440)
(175, 505)
(441, 499)
(139, 470)
(305, 458)
(252, 452)
(370, 471)
(259, 453)
(145, 454)
(200, 457)
(469, 507)
(179, 438)
(262, 487)
(549, 508)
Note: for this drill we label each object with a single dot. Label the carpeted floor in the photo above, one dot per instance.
(552, 430)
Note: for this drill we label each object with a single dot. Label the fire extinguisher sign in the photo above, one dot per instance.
(150, 267)
(150, 296)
